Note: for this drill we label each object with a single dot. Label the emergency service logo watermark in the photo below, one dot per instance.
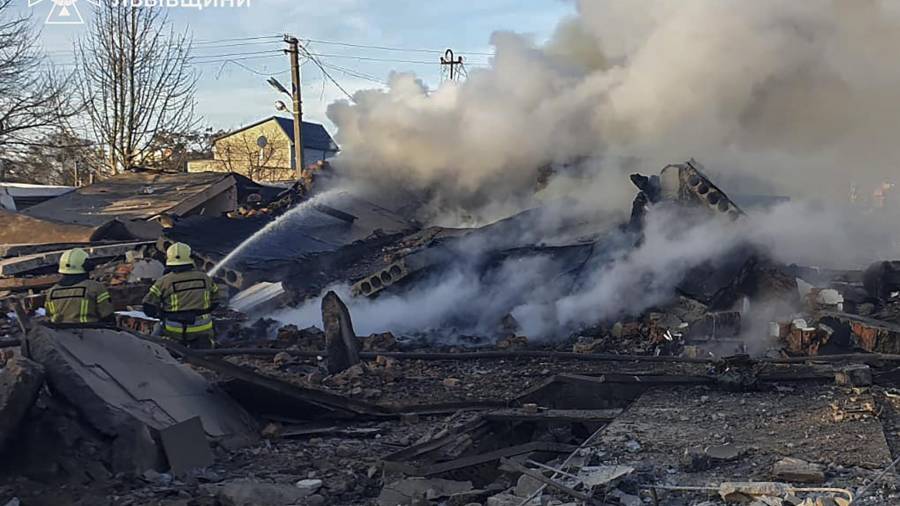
(63, 12)
(66, 12)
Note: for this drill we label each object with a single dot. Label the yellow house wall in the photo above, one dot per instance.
(240, 153)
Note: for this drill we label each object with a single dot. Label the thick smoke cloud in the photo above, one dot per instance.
(624, 281)
(785, 91)
(790, 98)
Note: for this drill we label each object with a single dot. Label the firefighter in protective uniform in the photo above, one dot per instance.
(182, 299)
(77, 300)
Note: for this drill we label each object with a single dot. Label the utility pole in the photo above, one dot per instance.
(448, 59)
(294, 52)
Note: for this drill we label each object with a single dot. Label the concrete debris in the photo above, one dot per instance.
(102, 374)
(745, 492)
(310, 486)
(854, 375)
(409, 491)
(797, 471)
(20, 380)
(605, 476)
(526, 486)
(259, 298)
(509, 500)
(747, 365)
(249, 492)
(340, 340)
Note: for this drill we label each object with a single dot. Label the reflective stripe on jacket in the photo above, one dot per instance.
(189, 291)
(83, 302)
(202, 323)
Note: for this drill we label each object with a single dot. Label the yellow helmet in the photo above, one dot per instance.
(72, 261)
(178, 254)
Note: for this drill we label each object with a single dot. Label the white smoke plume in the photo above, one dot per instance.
(627, 283)
(792, 98)
(783, 91)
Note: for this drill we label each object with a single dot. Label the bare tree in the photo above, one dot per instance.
(33, 100)
(174, 151)
(59, 157)
(244, 155)
(135, 80)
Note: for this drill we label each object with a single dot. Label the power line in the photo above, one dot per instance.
(352, 73)
(387, 48)
(239, 44)
(235, 59)
(325, 72)
(367, 58)
(238, 39)
(268, 51)
(248, 69)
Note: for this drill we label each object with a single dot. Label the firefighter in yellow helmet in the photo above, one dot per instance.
(77, 300)
(182, 299)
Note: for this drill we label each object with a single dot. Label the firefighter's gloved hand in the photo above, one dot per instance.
(151, 310)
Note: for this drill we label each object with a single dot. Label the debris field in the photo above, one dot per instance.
(750, 382)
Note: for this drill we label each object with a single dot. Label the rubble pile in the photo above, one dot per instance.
(752, 382)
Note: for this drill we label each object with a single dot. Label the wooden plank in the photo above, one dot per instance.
(33, 283)
(18, 265)
(554, 415)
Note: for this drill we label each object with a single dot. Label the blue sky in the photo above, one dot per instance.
(232, 94)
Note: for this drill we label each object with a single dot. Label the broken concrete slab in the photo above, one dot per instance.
(20, 382)
(723, 452)
(603, 476)
(17, 265)
(406, 492)
(246, 492)
(745, 492)
(106, 376)
(186, 446)
(854, 375)
(261, 297)
(113, 367)
(797, 471)
(340, 339)
(509, 500)
(526, 485)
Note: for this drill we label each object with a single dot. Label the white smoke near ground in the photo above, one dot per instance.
(793, 98)
(464, 300)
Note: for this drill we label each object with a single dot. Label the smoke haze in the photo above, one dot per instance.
(790, 98)
(783, 92)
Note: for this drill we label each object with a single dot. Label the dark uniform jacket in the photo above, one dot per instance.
(183, 300)
(75, 301)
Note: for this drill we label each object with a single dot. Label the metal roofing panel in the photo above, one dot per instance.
(133, 195)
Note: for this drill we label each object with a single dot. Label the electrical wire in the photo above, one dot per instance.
(325, 72)
(238, 39)
(268, 51)
(387, 48)
(248, 69)
(367, 58)
(356, 74)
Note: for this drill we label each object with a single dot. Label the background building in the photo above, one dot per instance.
(264, 151)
